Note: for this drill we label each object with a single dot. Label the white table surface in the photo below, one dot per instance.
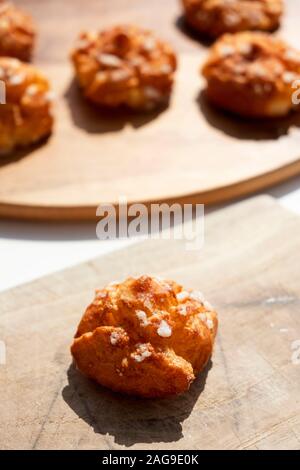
(31, 250)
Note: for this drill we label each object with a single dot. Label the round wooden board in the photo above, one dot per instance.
(188, 152)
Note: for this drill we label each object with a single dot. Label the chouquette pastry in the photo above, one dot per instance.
(17, 32)
(213, 18)
(124, 66)
(252, 74)
(145, 336)
(26, 117)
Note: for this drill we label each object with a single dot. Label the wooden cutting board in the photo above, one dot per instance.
(188, 152)
(248, 396)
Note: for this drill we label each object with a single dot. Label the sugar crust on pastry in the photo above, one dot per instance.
(213, 18)
(252, 74)
(124, 66)
(26, 117)
(17, 32)
(146, 337)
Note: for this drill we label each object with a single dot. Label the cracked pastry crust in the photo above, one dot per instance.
(146, 337)
(252, 74)
(124, 66)
(213, 18)
(17, 32)
(26, 117)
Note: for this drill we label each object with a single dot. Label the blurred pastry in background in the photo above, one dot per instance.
(17, 32)
(145, 336)
(213, 18)
(124, 66)
(26, 117)
(252, 74)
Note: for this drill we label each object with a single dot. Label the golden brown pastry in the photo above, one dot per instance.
(216, 17)
(252, 74)
(124, 66)
(146, 336)
(26, 117)
(17, 32)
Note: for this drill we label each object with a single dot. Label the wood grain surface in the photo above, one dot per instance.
(187, 152)
(248, 397)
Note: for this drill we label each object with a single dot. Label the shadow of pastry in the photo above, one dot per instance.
(19, 154)
(184, 28)
(192, 33)
(131, 420)
(96, 120)
(246, 129)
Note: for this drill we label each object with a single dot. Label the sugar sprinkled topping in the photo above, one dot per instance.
(114, 283)
(100, 294)
(196, 295)
(183, 295)
(114, 337)
(101, 76)
(147, 303)
(50, 95)
(4, 25)
(289, 77)
(254, 17)
(164, 330)
(14, 63)
(208, 321)
(149, 44)
(165, 68)
(226, 50)
(136, 61)
(142, 316)
(17, 79)
(292, 55)
(120, 75)
(141, 353)
(258, 70)
(231, 19)
(239, 68)
(207, 305)
(277, 68)
(32, 90)
(182, 309)
(152, 93)
(245, 48)
(109, 60)
(202, 316)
